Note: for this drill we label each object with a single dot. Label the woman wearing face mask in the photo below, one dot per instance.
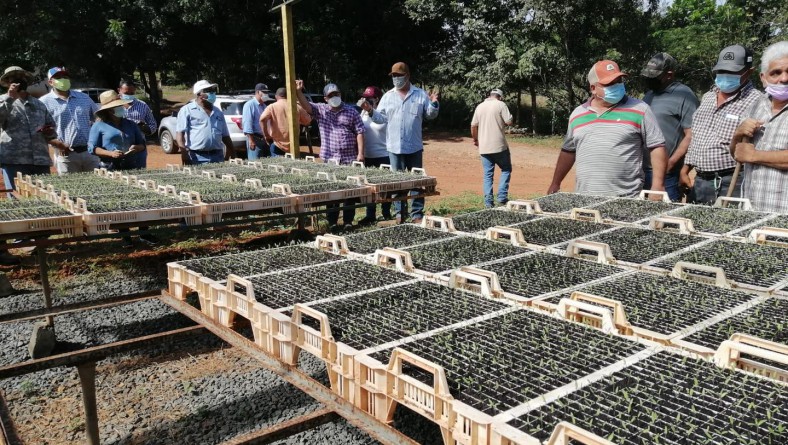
(117, 141)
(375, 152)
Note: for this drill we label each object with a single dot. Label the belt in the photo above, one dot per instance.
(79, 148)
(714, 174)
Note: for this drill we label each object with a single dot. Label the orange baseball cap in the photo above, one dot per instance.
(605, 72)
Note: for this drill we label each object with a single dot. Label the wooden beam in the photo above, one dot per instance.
(285, 429)
(292, 98)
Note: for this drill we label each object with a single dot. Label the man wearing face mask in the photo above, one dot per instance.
(73, 112)
(26, 127)
(137, 111)
(673, 103)
(713, 126)
(375, 152)
(201, 132)
(607, 138)
(341, 138)
(404, 109)
(250, 119)
(765, 160)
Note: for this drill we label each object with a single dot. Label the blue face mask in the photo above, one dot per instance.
(211, 98)
(120, 112)
(614, 93)
(727, 83)
(127, 96)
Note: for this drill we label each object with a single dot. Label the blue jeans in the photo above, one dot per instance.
(504, 161)
(386, 206)
(671, 184)
(10, 171)
(205, 157)
(407, 162)
(260, 149)
(706, 191)
(276, 151)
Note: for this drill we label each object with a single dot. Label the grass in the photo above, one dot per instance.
(539, 141)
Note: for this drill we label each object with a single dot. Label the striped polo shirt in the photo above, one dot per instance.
(610, 146)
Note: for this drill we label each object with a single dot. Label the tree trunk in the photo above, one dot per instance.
(519, 107)
(152, 86)
(532, 90)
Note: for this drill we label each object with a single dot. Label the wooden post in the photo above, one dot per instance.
(292, 98)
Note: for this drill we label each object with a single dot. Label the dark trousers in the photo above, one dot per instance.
(385, 207)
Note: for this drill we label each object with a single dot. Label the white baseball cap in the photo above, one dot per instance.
(203, 84)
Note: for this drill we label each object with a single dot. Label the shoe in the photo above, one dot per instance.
(334, 228)
(503, 203)
(417, 221)
(367, 221)
(8, 259)
(348, 227)
(149, 240)
(399, 219)
(385, 218)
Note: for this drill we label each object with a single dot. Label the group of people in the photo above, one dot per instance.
(620, 145)
(84, 134)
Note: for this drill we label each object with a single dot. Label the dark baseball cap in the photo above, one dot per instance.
(261, 87)
(659, 63)
(734, 58)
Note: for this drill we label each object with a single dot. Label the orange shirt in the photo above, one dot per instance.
(278, 127)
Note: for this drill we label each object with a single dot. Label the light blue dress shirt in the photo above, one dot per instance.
(250, 118)
(73, 116)
(202, 132)
(404, 118)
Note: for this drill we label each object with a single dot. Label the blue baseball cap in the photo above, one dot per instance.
(330, 88)
(57, 70)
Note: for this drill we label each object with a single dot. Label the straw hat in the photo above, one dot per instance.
(14, 70)
(110, 99)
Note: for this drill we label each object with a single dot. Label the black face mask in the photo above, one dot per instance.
(653, 84)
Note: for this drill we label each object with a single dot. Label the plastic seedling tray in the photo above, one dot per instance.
(499, 363)
(670, 399)
(637, 246)
(282, 290)
(549, 231)
(37, 215)
(379, 317)
(564, 202)
(749, 266)
(484, 219)
(624, 210)
(716, 221)
(398, 236)
(656, 307)
(766, 320)
(540, 273)
(445, 255)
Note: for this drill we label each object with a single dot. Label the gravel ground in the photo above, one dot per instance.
(81, 288)
(94, 327)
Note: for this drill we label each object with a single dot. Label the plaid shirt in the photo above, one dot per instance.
(767, 187)
(338, 131)
(21, 139)
(713, 128)
(138, 112)
(73, 116)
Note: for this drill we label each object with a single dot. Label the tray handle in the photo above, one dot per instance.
(741, 203)
(568, 307)
(488, 281)
(684, 225)
(300, 310)
(332, 243)
(511, 234)
(442, 223)
(602, 250)
(647, 194)
(399, 258)
(586, 215)
(531, 207)
(730, 350)
(566, 433)
(680, 270)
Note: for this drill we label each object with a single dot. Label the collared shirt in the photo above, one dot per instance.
(250, 117)
(111, 138)
(767, 187)
(138, 112)
(610, 146)
(404, 118)
(338, 131)
(673, 107)
(491, 116)
(73, 116)
(280, 127)
(202, 132)
(713, 128)
(21, 139)
(374, 138)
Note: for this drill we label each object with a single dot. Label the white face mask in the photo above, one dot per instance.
(399, 82)
(335, 101)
